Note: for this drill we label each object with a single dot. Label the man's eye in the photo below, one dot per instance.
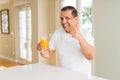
(61, 18)
(67, 18)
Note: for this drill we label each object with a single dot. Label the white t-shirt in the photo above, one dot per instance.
(69, 50)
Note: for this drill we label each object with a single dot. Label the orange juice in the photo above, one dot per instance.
(44, 43)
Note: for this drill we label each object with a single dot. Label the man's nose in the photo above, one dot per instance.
(64, 21)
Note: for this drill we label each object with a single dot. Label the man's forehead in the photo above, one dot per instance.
(67, 12)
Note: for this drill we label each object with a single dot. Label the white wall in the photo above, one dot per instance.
(43, 22)
(46, 24)
(107, 38)
(34, 7)
(7, 41)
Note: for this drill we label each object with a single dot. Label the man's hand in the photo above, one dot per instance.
(39, 47)
(43, 53)
(76, 32)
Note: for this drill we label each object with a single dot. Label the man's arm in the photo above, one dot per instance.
(87, 49)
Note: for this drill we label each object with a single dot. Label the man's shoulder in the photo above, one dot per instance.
(59, 31)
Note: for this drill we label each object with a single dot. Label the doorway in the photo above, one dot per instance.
(24, 32)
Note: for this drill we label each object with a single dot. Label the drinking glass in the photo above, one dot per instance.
(44, 42)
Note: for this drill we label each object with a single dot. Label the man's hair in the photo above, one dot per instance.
(74, 11)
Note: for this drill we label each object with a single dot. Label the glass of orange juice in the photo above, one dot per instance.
(44, 43)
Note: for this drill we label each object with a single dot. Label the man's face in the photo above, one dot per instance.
(68, 21)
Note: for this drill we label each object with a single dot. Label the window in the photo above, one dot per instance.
(84, 8)
(68, 3)
(85, 13)
(4, 15)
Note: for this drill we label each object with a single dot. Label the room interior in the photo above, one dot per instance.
(44, 13)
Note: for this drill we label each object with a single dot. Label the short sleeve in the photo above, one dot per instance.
(52, 41)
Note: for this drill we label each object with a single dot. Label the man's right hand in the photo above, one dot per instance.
(43, 53)
(39, 47)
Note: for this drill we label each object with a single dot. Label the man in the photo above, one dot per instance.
(75, 47)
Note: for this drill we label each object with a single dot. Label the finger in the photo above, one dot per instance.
(77, 27)
(39, 47)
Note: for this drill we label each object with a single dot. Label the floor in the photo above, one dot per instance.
(8, 64)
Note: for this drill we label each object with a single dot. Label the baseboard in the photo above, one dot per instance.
(13, 60)
(8, 58)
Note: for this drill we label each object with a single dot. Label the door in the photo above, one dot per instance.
(24, 51)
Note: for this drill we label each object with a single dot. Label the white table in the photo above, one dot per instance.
(40, 71)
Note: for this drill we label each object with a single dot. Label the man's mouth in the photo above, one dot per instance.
(65, 25)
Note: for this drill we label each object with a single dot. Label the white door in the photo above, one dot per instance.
(24, 51)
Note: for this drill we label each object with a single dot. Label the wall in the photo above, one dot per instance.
(46, 24)
(43, 23)
(107, 38)
(7, 41)
(34, 13)
(52, 27)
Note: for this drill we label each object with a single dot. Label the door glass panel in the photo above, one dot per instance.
(25, 51)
